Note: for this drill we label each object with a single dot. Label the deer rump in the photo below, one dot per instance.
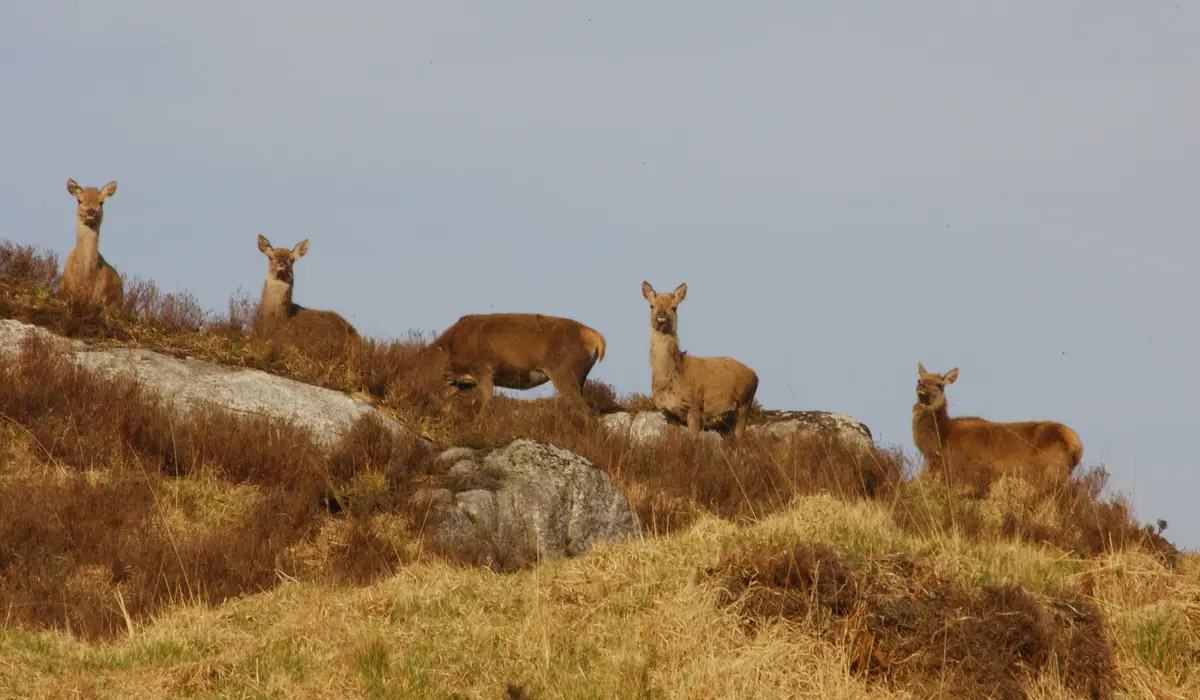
(519, 351)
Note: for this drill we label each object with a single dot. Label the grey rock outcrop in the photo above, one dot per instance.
(645, 426)
(648, 426)
(189, 384)
(825, 425)
(525, 502)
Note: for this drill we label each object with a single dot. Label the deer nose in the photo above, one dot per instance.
(93, 212)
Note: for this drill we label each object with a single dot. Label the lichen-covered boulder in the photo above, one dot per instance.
(824, 425)
(520, 504)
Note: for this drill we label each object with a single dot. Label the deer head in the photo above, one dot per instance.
(931, 386)
(280, 260)
(663, 307)
(90, 211)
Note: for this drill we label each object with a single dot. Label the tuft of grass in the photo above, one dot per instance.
(373, 664)
(1165, 644)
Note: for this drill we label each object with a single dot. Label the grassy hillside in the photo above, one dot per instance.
(142, 556)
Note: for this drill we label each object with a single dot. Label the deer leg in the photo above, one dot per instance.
(1053, 468)
(485, 383)
(585, 369)
(567, 387)
(454, 382)
(739, 428)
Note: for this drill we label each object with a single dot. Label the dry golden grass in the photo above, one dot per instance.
(223, 557)
(643, 619)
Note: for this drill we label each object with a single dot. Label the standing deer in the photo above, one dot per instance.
(518, 351)
(1043, 450)
(279, 316)
(703, 391)
(87, 276)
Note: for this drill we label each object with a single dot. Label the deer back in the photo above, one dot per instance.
(514, 340)
(1028, 446)
(717, 381)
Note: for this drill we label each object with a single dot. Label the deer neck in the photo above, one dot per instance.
(665, 360)
(931, 426)
(87, 246)
(276, 299)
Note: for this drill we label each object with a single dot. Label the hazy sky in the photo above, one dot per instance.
(847, 188)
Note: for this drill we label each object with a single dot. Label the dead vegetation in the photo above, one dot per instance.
(976, 501)
(104, 465)
(113, 490)
(902, 625)
(311, 515)
(122, 512)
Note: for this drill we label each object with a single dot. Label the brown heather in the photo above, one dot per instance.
(1075, 517)
(103, 469)
(904, 625)
(117, 517)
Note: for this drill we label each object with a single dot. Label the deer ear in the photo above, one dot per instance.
(921, 368)
(680, 293)
(73, 187)
(108, 190)
(300, 249)
(950, 376)
(264, 245)
(648, 291)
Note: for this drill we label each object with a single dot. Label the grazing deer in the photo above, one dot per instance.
(703, 391)
(87, 275)
(518, 351)
(279, 316)
(1040, 449)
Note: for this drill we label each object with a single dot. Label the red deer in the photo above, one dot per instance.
(1043, 450)
(518, 351)
(87, 275)
(701, 391)
(287, 321)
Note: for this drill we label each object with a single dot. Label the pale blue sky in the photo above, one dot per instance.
(847, 188)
